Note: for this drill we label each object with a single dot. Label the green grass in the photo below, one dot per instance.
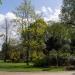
(22, 67)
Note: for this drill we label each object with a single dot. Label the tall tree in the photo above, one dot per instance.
(37, 32)
(68, 12)
(25, 12)
(5, 44)
(7, 27)
(58, 33)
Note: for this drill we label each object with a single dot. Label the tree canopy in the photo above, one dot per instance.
(68, 12)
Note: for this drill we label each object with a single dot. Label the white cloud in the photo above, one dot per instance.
(55, 16)
(44, 9)
(10, 16)
(1, 17)
(50, 10)
(38, 12)
(49, 14)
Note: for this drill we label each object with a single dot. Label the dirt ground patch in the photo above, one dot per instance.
(37, 73)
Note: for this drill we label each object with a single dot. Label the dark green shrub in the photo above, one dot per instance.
(49, 61)
(72, 61)
(44, 62)
(70, 68)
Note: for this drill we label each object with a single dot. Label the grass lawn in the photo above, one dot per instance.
(21, 67)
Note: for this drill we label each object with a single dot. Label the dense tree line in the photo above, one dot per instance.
(40, 43)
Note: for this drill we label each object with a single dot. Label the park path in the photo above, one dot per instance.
(37, 73)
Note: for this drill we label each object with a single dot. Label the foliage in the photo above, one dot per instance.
(68, 12)
(58, 40)
(59, 34)
(59, 30)
(36, 33)
(43, 62)
(14, 55)
(25, 9)
(25, 12)
(5, 50)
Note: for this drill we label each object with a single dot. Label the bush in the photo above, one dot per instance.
(70, 68)
(70, 63)
(43, 62)
(49, 61)
(71, 60)
(14, 55)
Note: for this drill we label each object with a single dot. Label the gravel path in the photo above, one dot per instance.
(37, 73)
